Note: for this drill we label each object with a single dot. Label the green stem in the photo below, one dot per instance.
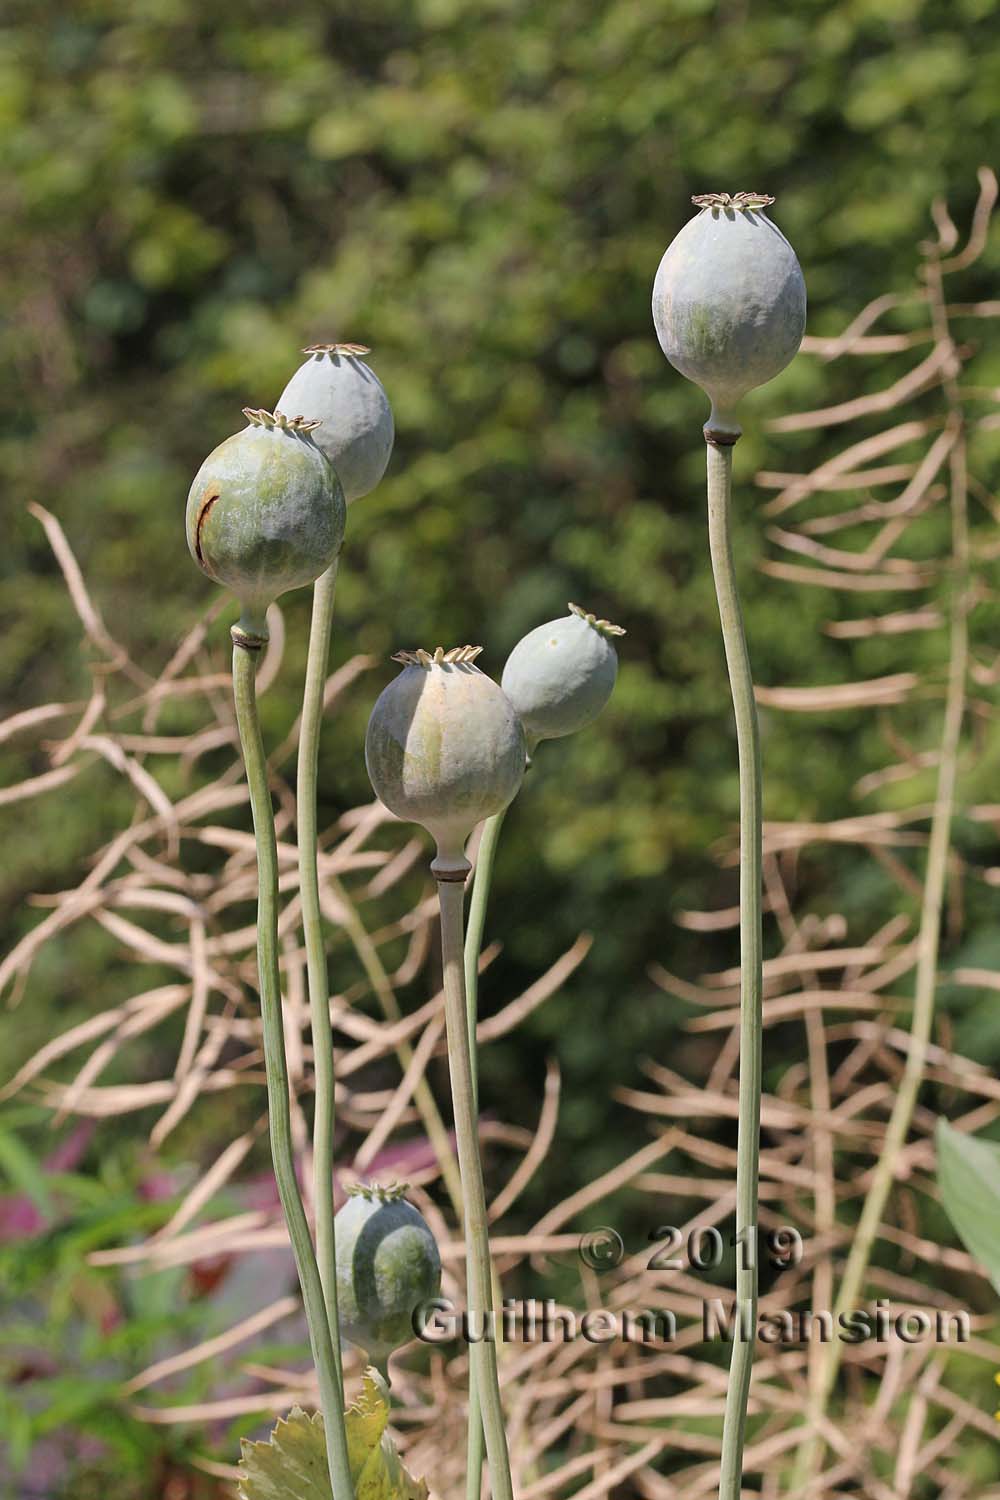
(312, 926)
(423, 1097)
(245, 652)
(482, 1349)
(475, 1450)
(324, 1119)
(482, 881)
(720, 470)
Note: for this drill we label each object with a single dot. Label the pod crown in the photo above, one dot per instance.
(352, 350)
(257, 417)
(378, 1192)
(606, 627)
(457, 656)
(737, 200)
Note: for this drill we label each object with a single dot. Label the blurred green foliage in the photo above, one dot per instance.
(481, 192)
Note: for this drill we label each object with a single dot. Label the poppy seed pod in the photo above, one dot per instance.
(729, 302)
(265, 513)
(387, 1265)
(560, 675)
(335, 387)
(445, 749)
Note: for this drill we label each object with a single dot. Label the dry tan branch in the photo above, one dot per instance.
(941, 364)
(894, 689)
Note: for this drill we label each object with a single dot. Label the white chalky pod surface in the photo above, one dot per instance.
(445, 747)
(560, 675)
(729, 301)
(337, 389)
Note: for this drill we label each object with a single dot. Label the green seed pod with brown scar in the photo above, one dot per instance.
(445, 749)
(729, 302)
(265, 513)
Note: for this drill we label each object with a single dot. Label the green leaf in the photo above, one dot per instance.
(969, 1179)
(25, 1172)
(291, 1465)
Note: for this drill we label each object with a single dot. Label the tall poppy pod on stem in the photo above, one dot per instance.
(729, 305)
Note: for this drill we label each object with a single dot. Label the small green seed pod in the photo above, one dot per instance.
(336, 388)
(445, 749)
(265, 513)
(729, 302)
(561, 674)
(387, 1265)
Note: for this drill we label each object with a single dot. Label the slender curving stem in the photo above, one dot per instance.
(482, 881)
(720, 471)
(246, 649)
(324, 1117)
(482, 1345)
(423, 1097)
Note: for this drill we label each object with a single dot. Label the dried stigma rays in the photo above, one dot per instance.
(737, 200)
(729, 307)
(454, 655)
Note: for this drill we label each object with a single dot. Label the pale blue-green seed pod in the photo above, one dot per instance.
(336, 388)
(265, 513)
(387, 1265)
(445, 749)
(729, 302)
(560, 675)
